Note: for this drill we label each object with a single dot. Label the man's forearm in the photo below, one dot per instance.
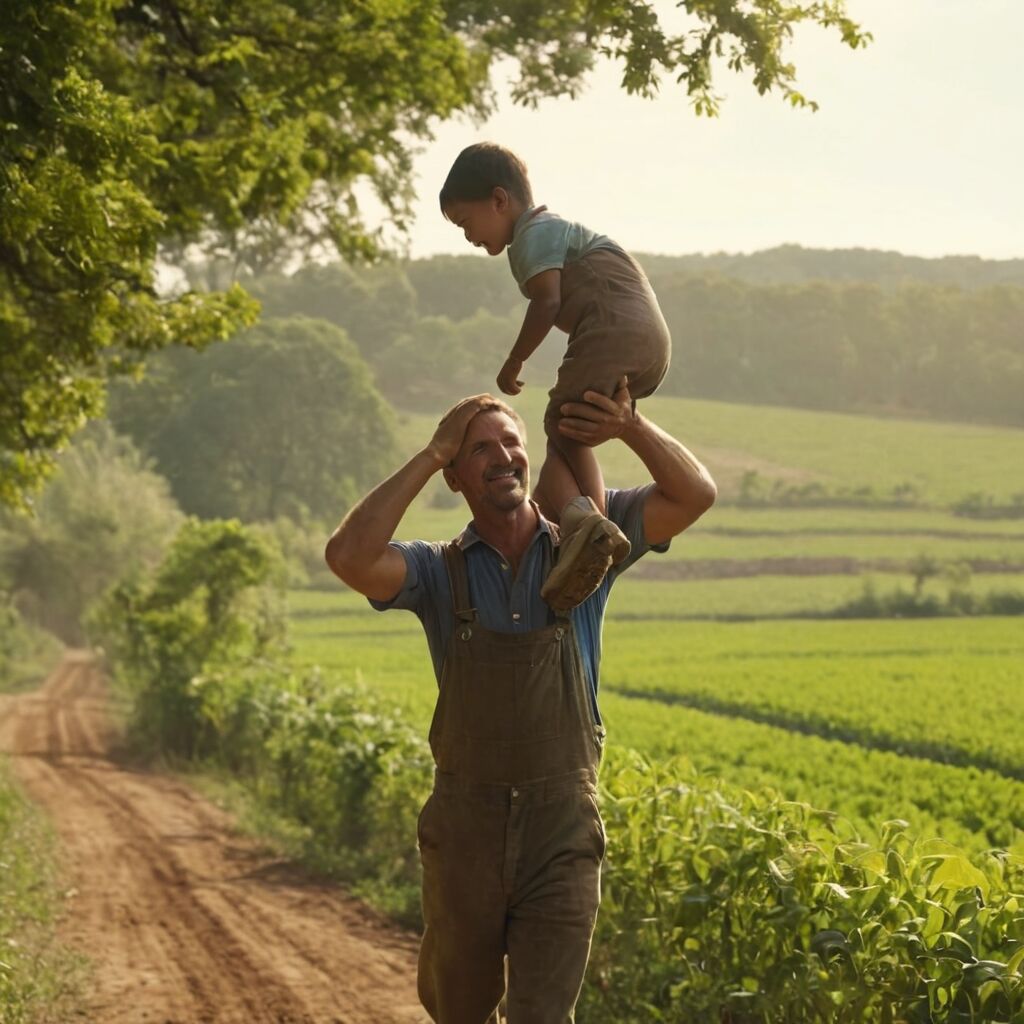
(366, 531)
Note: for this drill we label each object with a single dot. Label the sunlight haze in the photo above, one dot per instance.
(917, 147)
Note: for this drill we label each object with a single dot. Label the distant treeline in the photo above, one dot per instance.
(845, 330)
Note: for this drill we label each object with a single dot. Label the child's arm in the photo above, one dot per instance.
(545, 291)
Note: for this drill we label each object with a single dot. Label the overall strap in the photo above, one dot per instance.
(458, 580)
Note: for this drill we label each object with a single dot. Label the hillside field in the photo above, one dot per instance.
(725, 649)
(946, 461)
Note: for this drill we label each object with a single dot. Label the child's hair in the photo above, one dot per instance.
(480, 169)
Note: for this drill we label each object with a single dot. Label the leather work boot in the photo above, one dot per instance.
(589, 546)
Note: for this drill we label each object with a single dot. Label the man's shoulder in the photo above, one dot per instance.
(622, 502)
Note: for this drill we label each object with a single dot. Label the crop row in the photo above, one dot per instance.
(946, 690)
(939, 689)
(976, 809)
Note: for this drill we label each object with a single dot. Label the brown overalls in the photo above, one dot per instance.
(510, 839)
(615, 328)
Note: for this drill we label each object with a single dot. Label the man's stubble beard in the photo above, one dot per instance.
(514, 499)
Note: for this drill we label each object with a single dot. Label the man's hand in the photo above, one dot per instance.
(451, 429)
(598, 418)
(508, 377)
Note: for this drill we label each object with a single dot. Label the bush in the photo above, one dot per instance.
(915, 604)
(203, 611)
(757, 491)
(104, 516)
(26, 651)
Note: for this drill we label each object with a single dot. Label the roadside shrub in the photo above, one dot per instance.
(333, 760)
(26, 651)
(203, 611)
(300, 541)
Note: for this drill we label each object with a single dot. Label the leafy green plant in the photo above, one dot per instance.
(201, 611)
(724, 905)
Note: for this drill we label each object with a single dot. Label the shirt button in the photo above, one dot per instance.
(515, 616)
(515, 793)
(504, 566)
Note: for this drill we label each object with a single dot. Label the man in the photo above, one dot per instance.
(511, 840)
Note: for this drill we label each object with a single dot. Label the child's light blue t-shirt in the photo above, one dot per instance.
(543, 241)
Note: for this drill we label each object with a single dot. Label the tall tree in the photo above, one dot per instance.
(283, 421)
(247, 128)
(104, 516)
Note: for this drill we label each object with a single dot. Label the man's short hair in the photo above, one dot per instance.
(480, 169)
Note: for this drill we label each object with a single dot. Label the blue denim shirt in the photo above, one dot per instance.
(510, 604)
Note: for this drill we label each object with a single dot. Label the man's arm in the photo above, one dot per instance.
(359, 551)
(684, 489)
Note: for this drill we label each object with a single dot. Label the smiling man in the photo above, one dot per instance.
(511, 839)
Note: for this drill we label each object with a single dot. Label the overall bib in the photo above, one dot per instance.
(511, 840)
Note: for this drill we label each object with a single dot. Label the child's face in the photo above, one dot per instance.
(487, 223)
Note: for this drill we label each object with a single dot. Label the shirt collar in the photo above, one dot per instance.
(469, 536)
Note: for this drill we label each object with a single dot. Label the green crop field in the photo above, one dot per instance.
(944, 462)
(877, 536)
(855, 716)
(743, 597)
(945, 689)
(973, 808)
(722, 649)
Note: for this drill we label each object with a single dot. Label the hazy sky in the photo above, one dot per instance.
(918, 146)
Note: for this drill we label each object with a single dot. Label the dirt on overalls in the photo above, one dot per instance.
(183, 920)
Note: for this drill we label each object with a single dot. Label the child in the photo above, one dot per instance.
(588, 286)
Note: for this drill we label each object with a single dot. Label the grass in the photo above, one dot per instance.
(38, 978)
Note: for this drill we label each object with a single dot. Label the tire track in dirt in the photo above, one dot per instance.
(185, 922)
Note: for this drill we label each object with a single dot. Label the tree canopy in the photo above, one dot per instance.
(284, 421)
(131, 127)
(806, 328)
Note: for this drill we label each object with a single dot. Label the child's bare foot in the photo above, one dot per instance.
(589, 546)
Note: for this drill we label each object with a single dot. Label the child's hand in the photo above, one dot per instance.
(507, 377)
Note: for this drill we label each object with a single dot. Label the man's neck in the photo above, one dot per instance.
(508, 532)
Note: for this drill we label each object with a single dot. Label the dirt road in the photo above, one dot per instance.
(185, 922)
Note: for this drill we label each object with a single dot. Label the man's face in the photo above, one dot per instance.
(491, 468)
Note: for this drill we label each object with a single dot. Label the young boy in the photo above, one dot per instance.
(588, 286)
